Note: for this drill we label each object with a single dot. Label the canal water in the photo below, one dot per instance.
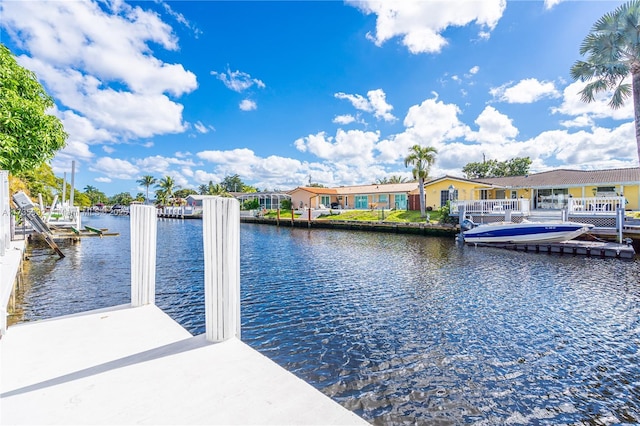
(400, 329)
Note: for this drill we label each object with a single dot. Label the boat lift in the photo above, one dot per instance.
(25, 205)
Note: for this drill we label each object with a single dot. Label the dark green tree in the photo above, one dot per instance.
(493, 168)
(232, 183)
(29, 136)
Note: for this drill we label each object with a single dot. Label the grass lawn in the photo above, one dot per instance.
(367, 216)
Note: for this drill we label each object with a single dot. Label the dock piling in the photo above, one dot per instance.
(221, 236)
(143, 254)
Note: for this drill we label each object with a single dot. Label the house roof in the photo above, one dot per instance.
(565, 177)
(386, 188)
(456, 178)
(314, 190)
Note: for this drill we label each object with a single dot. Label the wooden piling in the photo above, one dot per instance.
(221, 236)
(143, 254)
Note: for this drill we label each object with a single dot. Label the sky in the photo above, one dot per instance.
(292, 92)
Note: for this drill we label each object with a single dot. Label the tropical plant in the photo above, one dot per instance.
(214, 189)
(94, 194)
(146, 181)
(613, 49)
(397, 179)
(421, 158)
(28, 136)
(166, 187)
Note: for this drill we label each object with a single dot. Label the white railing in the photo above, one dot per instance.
(518, 205)
(595, 205)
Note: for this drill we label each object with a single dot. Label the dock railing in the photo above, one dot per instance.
(595, 205)
(515, 205)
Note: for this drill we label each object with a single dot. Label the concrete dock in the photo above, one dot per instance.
(135, 365)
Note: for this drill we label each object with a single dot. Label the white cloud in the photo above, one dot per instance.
(421, 23)
(202, 128)
(115, 168)
(375, 103)
(353, 146)
(247, 105)
(103, 180)
(599, 108)
(493, 127)
(525, 91)
(344, 119)
(237, 81)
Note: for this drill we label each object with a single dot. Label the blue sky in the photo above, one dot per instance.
(336, 92)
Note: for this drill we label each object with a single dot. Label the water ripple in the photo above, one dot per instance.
(400, 329)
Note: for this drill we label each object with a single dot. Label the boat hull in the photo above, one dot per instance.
(526, 232)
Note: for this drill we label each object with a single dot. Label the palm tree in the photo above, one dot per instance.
(421, 158)
(397, 179)
(146, 181)
(166, 186)
(613, 49)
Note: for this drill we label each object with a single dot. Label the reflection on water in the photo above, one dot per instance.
(398, 328)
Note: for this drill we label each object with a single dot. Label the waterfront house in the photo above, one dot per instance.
(376, 196)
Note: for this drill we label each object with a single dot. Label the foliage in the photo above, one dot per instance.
(613, 52)
(184, 193)
(316, 185)
(123, 198)
(146, 181)
(285, 204)
(213, 189)
(518, 166)
(443, 213)
(28, 136)
(232, 183)
(95, 195)
(390, 179)
(140, 197)
(165, 192)
(39, 180)
(421, 158)
(251, 204)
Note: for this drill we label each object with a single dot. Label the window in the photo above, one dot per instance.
(325, 199)
(382, 198)
(362, 201)
(444, 196)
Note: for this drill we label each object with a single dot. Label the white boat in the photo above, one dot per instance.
(524, 232)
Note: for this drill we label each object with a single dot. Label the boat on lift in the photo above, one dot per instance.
(523, 232)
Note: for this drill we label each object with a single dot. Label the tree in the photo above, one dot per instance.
(28, 136)
(184, 193)
(232, 183)
(123, 198)
(518, 166)
(96, 196)
(146, 181)
(613, 49)
(397, 179)
(166, 186)
(421, 158)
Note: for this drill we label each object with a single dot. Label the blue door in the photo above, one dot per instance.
(362, 201)
(400, 201)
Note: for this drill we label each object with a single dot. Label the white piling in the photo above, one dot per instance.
(221, 236)
(143, 224)
(5, 213)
